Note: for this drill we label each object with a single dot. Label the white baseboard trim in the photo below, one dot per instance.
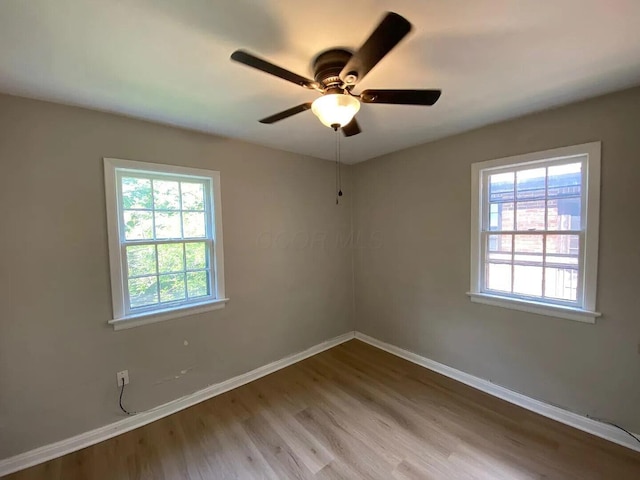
(580, 422)
(57, 449)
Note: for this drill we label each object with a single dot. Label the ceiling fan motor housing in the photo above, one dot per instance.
(328, 65)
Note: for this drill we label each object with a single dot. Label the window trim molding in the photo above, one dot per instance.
(548, 309)
(187, 310)
(589, 257)
(121, 319)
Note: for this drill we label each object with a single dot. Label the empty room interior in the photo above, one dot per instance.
(271, 239)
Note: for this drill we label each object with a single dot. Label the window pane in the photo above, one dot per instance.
(562, 250)
(498, 277)
(528, 248)
(197, 284)
(143, 291)
(565, 180)
(530, 215)
(501, 187)
(500, 216)
(136, 193)
(193, 224)
(565, 244)
(564, 213)
(196, 253)
(529, 243)
(530, 184)
(499, 247)
(138, 225)
(170, 257)
(192, 196)
(494, 216)
(527, 280)
(561, 283)
(168, 225)
(166, 195)
(172, 287)
(141, 260)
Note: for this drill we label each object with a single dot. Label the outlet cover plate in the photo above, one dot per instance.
(123, 375)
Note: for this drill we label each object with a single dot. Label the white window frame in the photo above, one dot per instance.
(122, 316)
(585, 310)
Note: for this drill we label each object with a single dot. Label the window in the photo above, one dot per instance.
(534, 232)
(165, 241)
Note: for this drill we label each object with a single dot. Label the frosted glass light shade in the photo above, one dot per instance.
(335, 108)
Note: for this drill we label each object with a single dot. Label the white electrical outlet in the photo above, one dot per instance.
(123, 375)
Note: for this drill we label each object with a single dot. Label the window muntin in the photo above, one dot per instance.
(165, 248)
(534, 237)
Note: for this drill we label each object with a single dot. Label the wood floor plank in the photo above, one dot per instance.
(278, 454)
(390, 440)
(359, 456)
(236, 456)
(350, 412)
(305, 446)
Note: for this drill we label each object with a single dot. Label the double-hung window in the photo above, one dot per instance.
(534, 232)
(165, 241)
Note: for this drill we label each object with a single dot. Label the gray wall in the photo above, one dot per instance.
(287, 263)
(410, 291)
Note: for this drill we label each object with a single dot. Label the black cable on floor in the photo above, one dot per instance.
(121, 407)
(626, 431)
(614, 425)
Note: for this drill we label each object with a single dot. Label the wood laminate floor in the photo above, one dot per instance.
(352, 412)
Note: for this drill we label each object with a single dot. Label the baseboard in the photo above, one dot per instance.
(57, 449)
(580, 422)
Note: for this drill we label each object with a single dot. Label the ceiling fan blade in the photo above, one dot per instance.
(352, 128)
(401, 97)
(387, 35)
(287, 113)
(251, 60)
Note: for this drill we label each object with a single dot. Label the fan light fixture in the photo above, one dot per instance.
(335, 109)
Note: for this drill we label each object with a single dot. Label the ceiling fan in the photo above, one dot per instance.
(338, 71)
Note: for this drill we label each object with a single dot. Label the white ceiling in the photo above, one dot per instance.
(168, 61)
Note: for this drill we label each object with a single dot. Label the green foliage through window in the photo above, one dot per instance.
(159, 218)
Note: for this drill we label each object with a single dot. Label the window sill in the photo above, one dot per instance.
(167, 314)
(559, 311)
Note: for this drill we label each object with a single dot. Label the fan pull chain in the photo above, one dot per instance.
(338, 172)
(339, 167)
(337, 187)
